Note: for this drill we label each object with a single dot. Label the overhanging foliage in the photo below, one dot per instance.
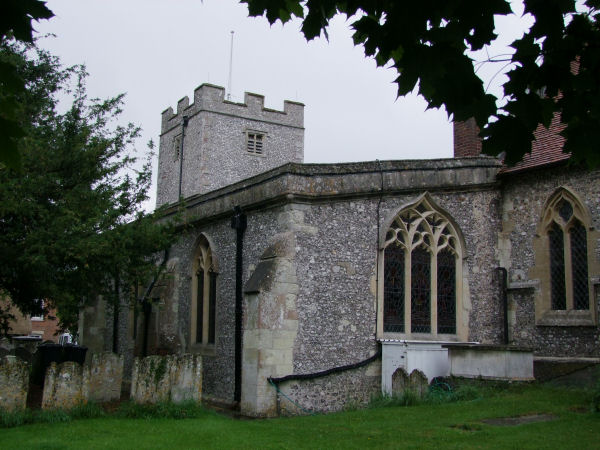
(428, 43)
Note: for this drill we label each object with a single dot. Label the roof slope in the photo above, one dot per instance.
(546, 149)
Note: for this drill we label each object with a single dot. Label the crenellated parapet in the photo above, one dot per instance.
(211, 98)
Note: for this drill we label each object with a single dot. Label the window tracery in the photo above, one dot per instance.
(422, 260)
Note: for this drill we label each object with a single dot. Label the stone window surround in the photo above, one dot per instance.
(544, 314)
(204, 258)
(250, 142)
(462, 313)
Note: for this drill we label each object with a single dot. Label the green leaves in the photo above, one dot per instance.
(275, 10)
(17, 15)
(427, 42)
(15, 21)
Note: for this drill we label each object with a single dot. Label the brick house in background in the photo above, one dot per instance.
(44, 326)
(323, 276)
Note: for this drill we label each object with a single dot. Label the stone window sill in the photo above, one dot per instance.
(419, 337)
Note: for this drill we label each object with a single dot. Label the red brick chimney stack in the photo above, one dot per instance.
(466, 139)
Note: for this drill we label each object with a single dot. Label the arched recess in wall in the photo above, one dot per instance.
(420, 292)
(205, 270)
(564, 248)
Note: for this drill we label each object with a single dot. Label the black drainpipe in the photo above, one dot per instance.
(238, 222)
(503, 273)
(183, 125)
(377, 242)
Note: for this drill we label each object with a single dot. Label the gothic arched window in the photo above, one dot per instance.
(422, 272)
(204, 294)
(564, 225)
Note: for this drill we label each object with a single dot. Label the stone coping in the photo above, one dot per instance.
(307, 183)
(487, 347)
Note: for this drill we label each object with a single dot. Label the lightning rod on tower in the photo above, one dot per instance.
(230, 68)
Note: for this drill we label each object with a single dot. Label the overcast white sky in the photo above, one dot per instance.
(158, 51)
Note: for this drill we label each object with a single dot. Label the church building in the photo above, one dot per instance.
(308, 285)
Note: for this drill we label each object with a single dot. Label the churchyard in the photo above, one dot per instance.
(497, 416)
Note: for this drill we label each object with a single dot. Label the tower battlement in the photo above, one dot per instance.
(211, 98)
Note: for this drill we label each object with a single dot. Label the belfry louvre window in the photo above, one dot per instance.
(204, 295)
(255, 142)
(422, 259)
(564, 222)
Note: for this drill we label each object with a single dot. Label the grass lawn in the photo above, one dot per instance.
(448, 425)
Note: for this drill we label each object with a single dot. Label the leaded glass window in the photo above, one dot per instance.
(393, 296)
(204, 294)
(564, 222)
(199, 308)
(446, 292)
(557, 267)
(579, 266)
(421, 255)
(420, 291)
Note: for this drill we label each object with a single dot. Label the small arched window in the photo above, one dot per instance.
(422, 272)
(204, 294)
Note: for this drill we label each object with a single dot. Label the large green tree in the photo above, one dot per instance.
(72, 224)
(429, 43)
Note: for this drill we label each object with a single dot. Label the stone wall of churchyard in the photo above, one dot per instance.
(65, 385)
(524, 196)
(14, 383)
(173, 378)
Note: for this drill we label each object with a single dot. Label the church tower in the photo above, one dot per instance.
(215, 142)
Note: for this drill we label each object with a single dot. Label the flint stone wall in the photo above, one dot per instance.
(524, 196)
(334, 392)
(14, 383)
(330, 214)
(175, 378)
